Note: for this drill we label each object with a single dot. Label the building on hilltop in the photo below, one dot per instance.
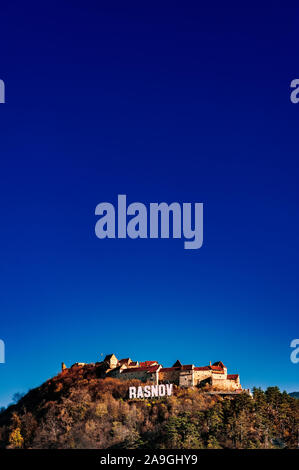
(179, 374)
(148, 363)
(125, 362)
(183, 375)
(111, 361)
(145, 374)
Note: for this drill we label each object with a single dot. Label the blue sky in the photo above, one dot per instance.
(162, 103)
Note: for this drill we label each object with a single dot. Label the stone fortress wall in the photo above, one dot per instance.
(215, 375)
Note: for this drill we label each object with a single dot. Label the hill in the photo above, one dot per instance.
(80, 409)
(294, 394)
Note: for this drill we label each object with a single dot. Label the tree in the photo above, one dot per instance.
(17, 397)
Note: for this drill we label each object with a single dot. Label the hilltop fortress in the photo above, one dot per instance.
(215, 375)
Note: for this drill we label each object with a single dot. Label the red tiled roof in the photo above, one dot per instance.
(140, 369)
(177, 364)
(232, 376)
(124, 361)
(108, 356)
(147, 363)
(212, 368)
(219, 363)
(185, 367)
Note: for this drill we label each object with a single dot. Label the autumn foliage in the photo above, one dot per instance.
(79, 409)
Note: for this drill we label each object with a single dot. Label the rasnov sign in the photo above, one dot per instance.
(150, 391)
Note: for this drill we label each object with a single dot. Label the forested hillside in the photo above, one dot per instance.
(79, 409)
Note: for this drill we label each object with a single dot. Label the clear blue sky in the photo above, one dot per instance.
(163, 103)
